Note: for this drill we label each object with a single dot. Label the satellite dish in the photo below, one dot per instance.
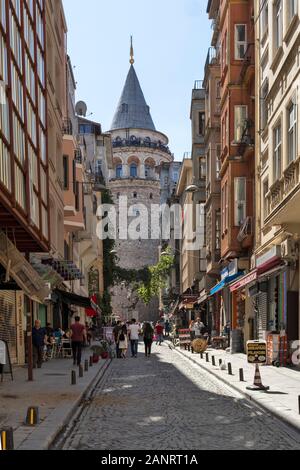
(81, 108)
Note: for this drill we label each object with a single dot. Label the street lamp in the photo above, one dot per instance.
(192, 188)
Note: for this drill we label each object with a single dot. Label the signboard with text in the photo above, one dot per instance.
(257, 352)
(184, 337)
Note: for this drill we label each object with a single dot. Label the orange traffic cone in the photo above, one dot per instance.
(257, 381)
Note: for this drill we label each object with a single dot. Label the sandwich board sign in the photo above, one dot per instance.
(257, 352)
(5, 362)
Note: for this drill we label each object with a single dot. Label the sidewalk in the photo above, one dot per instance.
(282, 398)
(51, 392)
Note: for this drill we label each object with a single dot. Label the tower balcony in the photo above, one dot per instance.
(141, 143)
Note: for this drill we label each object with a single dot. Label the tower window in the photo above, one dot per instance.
(133, 170)
(151, 196)
(119, 171)
(135, 195)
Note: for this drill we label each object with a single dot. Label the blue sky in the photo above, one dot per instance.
(171, 39)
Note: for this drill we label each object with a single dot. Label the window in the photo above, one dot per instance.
(175, 176)
(277, 163)
(240, 41)
(133, 170)
(218, 162)
(134, 195)
(292, 9)
(240, 116)
(202, 124)
(218, 231)
(226, 205)
(292, 133)
(66, 171)
(264, 18)
(264, 105)
(265, 200)
(77, 197)
(119, 171)
(166, 180)
(278, 24)
(239, 201)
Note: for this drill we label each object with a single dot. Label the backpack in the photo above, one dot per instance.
(122, 337)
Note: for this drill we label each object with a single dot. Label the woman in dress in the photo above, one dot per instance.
(123, 341)
(148, 333)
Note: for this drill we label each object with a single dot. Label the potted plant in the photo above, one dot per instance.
(105, 349)
(100, 350)
(97, 351)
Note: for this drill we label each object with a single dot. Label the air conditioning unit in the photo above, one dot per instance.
(288, 249)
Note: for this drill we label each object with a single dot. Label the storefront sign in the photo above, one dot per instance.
(274, 253)
(108, 333)
(244, 281)
(257, 352)
(233, 268)
(184, 337)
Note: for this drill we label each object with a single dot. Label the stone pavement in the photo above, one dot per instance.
(52, 392)
(168, 403)
(284, 383)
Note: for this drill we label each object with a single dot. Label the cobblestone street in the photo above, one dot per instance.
(167, 403)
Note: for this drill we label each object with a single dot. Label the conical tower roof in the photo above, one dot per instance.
(132, 111)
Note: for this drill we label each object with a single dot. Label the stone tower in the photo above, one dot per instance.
(138, 151)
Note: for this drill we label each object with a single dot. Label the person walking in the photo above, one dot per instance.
(78, 338)
(39, 339)
(123, 342)
(148, 333)
(134, 331)
(198, 328)
(159, 329)
(116, 333)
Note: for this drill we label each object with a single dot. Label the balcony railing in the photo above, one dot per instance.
(198, 85)
(67, 127)
(283, 187)
(248, 60)
(78, 156)
(141, 143)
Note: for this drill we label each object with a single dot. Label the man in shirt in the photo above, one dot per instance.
(78, 337)
(134, 331)
(198, 328)
(159, 329)
(39, 337)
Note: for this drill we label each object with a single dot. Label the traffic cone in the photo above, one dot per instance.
(257, 381)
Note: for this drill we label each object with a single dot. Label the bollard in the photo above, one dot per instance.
(213, 360)
(73, 377)
(80, 371)
(86, 365)
(220, 362)
(242, 375)
(7, 439)
(207, 357)
(201, 355)
(229, 368)
(33, 416)
(91, 361)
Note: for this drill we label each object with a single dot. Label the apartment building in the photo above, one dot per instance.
(24, 169)
(276, 260)
(230, 77)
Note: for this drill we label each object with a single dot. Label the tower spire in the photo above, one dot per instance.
(131, 52)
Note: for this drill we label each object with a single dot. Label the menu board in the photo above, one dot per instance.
(184, 337)
(257, 352)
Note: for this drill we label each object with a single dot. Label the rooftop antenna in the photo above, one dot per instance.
(131, 51)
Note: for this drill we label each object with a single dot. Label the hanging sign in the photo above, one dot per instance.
(257, 352)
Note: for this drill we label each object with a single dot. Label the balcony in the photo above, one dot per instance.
(283, 198)
(248, 64)
(247, 140)
(134, 142)
(67, 127)
(78, 156)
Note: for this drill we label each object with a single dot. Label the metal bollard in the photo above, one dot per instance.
(91, 361)
(86, 365)
(33, 416)
(7, 439)
(220, 362)
(207, 357)
(80, 371)
(201, 355)
(213, 360)
(229, 368)
(242, 375)
(73, 377)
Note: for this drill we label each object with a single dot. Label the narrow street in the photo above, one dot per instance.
(167, 403)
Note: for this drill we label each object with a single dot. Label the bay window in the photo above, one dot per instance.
(240, 203)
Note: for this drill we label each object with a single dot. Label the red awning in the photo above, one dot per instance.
(244, 281)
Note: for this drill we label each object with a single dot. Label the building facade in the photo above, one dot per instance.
(276, 257)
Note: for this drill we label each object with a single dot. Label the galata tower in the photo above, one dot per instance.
(138, 152)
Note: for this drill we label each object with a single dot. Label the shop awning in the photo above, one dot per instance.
(73, 299)
(188, 302)
(21, 271)
(244, 281)
(225, 282)
(203, 297)
(271, 272)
